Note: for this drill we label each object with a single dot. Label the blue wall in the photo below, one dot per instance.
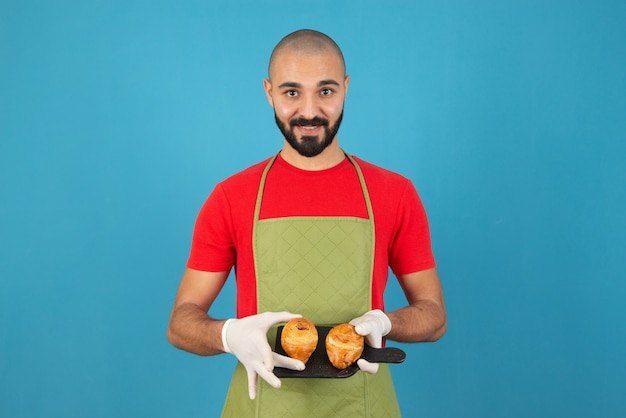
(117, 118)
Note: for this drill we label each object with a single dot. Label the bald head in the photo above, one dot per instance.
(305, 42)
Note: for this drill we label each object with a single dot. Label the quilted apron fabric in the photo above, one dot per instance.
(320, 267)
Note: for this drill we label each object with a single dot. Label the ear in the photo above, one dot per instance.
(267, 85)
(346, 81)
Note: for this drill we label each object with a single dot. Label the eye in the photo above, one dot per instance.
(326, 92)
(291, 93)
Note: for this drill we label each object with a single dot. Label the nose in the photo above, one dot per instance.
(310, 107)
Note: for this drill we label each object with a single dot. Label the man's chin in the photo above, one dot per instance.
(310, 140)
(310, 146)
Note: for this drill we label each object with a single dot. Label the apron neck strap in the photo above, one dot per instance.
(259, 197)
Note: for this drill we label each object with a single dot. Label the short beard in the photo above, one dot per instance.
(309, 146)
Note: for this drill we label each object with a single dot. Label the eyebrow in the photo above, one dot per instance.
(321, 83)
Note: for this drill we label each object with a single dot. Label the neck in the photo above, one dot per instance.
(330, 157)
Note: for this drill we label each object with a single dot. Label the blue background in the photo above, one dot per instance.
(118, 117)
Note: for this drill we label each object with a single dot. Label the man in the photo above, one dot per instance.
(311, 232)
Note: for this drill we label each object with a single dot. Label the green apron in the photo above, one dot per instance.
(321, 268)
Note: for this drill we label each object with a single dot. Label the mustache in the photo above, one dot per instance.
(316, 121)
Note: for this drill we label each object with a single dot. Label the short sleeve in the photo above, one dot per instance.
(410, 248)
(212, 246)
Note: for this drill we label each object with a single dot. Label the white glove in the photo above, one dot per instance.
(246, 338)
(373, 325)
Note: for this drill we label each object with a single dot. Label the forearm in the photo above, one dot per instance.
(423, 320)
(192, 329)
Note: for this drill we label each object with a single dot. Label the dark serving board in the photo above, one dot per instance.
(320, 366)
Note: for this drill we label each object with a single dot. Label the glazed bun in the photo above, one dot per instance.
(343, 345)
(299, 339)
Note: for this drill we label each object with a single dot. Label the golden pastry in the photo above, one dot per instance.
(343, 345)
(299, 338)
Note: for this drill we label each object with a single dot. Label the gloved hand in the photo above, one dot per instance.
(373, 325)
(246, 338)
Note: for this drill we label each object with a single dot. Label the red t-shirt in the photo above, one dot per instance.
(223, 232)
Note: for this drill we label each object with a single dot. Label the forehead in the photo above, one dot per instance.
(301, 67)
